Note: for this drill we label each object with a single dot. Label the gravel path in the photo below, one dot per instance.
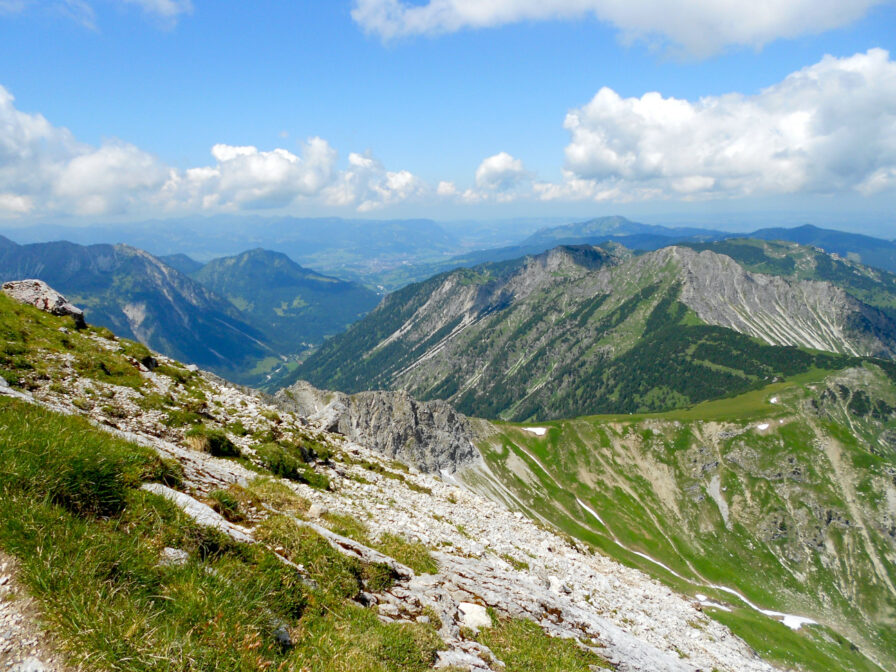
(24, 644)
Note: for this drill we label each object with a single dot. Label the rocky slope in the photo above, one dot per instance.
(429, 435)
(567, 332)
(486, 555)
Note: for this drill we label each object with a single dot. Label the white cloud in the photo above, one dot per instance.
(13, 204)
(45, 170)
(368, 184)
(446, 188)
(827, 128)
(702, 27)
(500, 172)
(108, 179)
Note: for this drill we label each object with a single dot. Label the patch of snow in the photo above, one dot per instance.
(706, 602)
(762, 427)
(773, 400)
(658, 563)
(591, 511)
(796, 622)
(537, 431)
(791, 621)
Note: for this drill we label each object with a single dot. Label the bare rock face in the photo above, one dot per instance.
(429, 435)
(39, 294)
(780, 311)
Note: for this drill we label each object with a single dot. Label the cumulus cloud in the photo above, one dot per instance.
(43, 164)
(500, 172)
(827, 128)
(700, 26)
(44, 169)
(368, 184)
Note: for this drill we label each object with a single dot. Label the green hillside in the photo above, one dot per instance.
(784, 494)
(294, 307)
(134, 294)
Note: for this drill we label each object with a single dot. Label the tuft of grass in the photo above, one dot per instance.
(524, 646)
(212, 441)
(237, 428)
(227, 504)
(347, 526)
(411, 553)
(177, 373)
(513, 562)
(154, 402)
(179, 417)
(288, 461)
(278, 496)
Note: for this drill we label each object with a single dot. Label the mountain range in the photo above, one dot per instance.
(869, 251)
(580, 330)
(747, 394)
(385, 255)
(244, 317)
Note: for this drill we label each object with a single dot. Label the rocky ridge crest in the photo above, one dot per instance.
(428, 435)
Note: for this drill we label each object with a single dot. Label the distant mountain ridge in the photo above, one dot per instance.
(293, 306)
(136, 295)
(245, 317)
(348, 248)
(580, 330)
(877, 252)
(598, 231)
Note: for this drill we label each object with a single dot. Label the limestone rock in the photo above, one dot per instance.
(430, 436)
(201, 513)
(173, 557)
(30, 665)
(474, 616)
(40, 295)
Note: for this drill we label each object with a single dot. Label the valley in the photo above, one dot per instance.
(778, 500)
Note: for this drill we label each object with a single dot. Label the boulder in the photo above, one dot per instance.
(474, 616)
(39, 294)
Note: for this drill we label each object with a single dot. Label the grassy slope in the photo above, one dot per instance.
(90, 543)
(650, 477)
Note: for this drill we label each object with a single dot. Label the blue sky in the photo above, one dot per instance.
(110, 109)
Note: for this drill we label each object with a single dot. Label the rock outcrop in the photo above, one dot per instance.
(430, 436)
(39, 294)
(780, 311)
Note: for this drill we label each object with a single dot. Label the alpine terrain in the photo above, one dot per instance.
(161, 518)
(580, 330)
